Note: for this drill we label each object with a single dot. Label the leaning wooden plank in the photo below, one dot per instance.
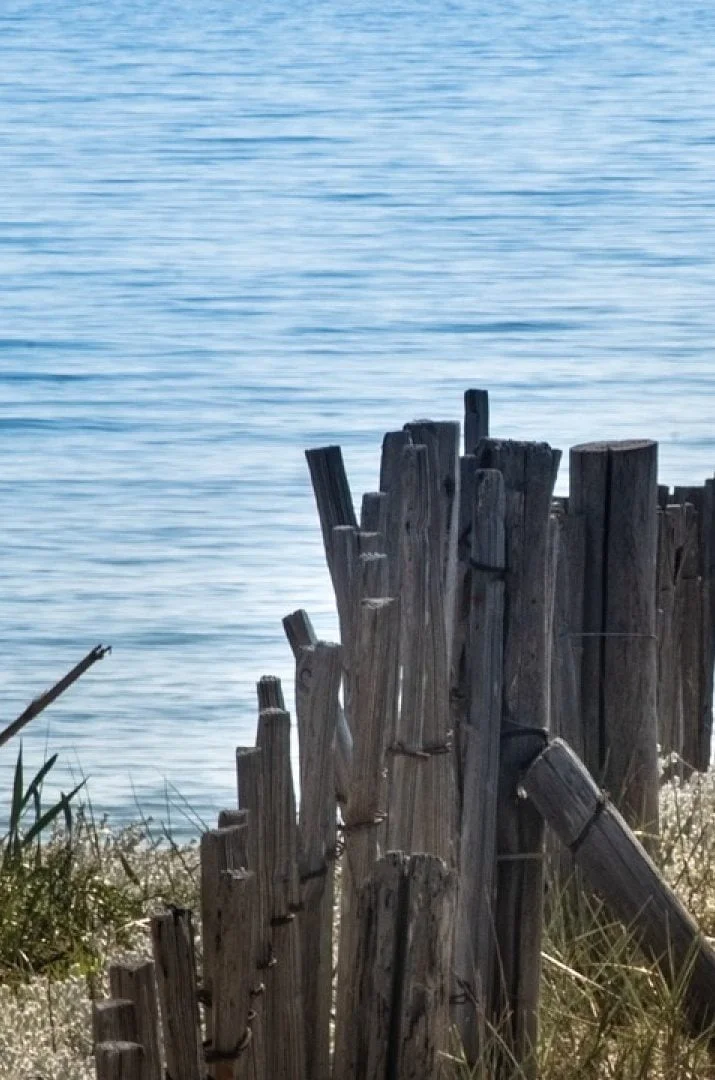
(619, 868)
(332, 493)
(118, 1061)
(134, 980)
(317, 688)
(474, 938)
(173, 944)
(40, 703)
(300, 633)
(407, 759)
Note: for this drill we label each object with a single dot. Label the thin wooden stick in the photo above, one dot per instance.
(40, 703)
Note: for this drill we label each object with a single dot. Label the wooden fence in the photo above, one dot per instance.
(480, 621)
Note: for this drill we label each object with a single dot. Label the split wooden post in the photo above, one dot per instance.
(283, 1023)
(565, 707)
(374, 702)
(317, 688)
(476, 418)
(135, 981)
(618, 867)
(480, 739)
(401, 1021)
(529, 471)
(614, 487)
(118, 1061)
(300, 633)
(173, 943)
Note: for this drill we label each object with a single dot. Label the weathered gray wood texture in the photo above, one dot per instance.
(614, 487)
(618, 867)
(317, 689)
(479, 740)
(529, 472)
(118, 1061)
(175, 965)
(401, 1020)
(374, 707)
(135, 981)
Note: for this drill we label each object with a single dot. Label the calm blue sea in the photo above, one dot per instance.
(229, 232)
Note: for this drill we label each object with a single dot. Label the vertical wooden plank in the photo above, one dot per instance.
(689, 600)
(476, 418)
(373, 513)
(234, 969)
(173, 944)
(630, 647)
(270, 693)
(442, 441)
(422, 1008)
(283, 1023)
(614, 486)
(114, 1020)
(390, 482)
(375, 702)
(134, 980)
(474, 940)
(460, 688)
(317, 687)
(529, 471)
(118, 1061)
(406, 755)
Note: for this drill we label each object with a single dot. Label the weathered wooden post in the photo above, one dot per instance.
(114, 1020)
(283, 1023)
(175, 964)
(391, 484)
(374, 705)
(300, 634)
(118, 1061)
(697, 752)
(529, 471)
(476, 418)
(401, 1021)
(422, 798)
(619, 868)
(234, 970)
(317, 688)
(134, 980)
(614, 487)
(479, 753)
